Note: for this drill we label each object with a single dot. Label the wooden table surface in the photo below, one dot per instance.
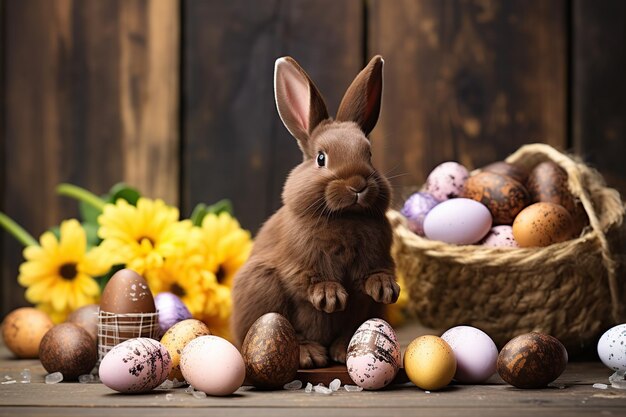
(571, 395)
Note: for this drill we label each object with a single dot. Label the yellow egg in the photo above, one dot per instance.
(23, 330)
(429, 362)
(177, 337)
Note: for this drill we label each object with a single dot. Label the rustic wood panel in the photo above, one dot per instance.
(467, 80)
(599, 90)
(91, 99)
(234, 143)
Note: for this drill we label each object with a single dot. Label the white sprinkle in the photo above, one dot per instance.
(54, 378)
(335, 384)
(7, 378)
(133, 287)
(25, 374)
(308, 388)
(321, 389)
(86, 379)
(426, 392)
(199, 394)
(8, 382)
(169, 397)
(352, 388)
(293, 385)
(600, 386)
(189, 389)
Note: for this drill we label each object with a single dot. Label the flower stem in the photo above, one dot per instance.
(81, 194)
(17, 231)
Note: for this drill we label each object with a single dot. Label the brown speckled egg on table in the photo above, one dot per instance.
(271, 352)
(69, 349)
(23, 329)
(507, 169)
(542, 224)
(177, 337)
(503, 196)
(532, 360)
(87, 318)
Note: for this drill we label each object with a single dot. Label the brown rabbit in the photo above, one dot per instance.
(323, 259)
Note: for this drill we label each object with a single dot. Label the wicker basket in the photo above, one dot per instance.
(569, 290)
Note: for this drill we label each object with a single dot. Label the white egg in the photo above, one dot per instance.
(135, 365)
(612, 348)
(373, 355)
(476, 354)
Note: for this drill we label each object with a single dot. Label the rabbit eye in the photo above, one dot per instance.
(321, 159)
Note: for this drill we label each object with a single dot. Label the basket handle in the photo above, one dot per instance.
(578, 174)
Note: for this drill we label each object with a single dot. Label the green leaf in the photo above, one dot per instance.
(221, 206)
(89, 213)
(56, 231)
(125, 192)
(198, 213)
(91, 231)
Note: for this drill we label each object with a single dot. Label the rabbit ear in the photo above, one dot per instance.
(361, 103)
(300, 105)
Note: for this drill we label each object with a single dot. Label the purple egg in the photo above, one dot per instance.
(171, 310)
(415, 210)
(446, 180)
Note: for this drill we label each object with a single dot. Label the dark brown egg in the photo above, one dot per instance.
(503, 196)
(87, 318)
(271, 352)
(23, 329)
(547, 182)
(69, 349)
(542, 224)
(532, 360)
(508, 170)
(127, 292)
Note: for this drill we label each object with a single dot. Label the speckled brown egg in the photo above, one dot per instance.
(69, 349)
(532, 360)
(508, 170)
(503, 196)
(127, 292)
(271, 352)
(23, 329)
(177, 337)
(87, 318)
(542, 224)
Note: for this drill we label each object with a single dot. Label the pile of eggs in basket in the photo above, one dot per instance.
(499, 205)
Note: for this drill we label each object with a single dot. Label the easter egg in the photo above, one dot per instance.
(68, 349)
(23, 329)
(446, 180)
(458, 221)
(429, 362)
(542, 224)
(532, 360)
(507, 169)
(127, 292)
(503, 196)
(171, 310)
(212, 365)
(373, 357)
(177, 337)
(271, 352)
(87, 318)
(475, 352)
(415, 210)
(612, 348)
(135, 365)
(500, 237)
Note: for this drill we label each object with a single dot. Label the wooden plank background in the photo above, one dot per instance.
(175, 96)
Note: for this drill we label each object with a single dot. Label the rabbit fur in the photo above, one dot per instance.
(323, 259)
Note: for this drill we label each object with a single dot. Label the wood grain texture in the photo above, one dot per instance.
(91, 99)
(235, 145)
(599, 90)
(467, 80)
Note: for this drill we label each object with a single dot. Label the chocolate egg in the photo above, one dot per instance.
(271, 352)
(542, 224)
(177, 337)
(127, 292)
(503, 196)
(23, 329)
(547, 182)
(69, 349)
(373, 357)
(508, 170)
(87, 318)
(532, 360)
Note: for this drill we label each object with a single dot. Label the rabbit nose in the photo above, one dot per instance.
(356, 184)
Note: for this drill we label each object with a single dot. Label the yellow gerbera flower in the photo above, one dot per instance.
(217, 309)
(143, 236)
(228, 245)
(396, 312)
(60, 273)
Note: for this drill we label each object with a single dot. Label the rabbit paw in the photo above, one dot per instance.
(312, 355)
(328, 296)
(382, 287)
(339, 349)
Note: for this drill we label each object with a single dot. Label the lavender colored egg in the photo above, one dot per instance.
(415, 210)
(446, 181)
(475, 352)
(171, 310)
(500, 237)
(459, 221)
